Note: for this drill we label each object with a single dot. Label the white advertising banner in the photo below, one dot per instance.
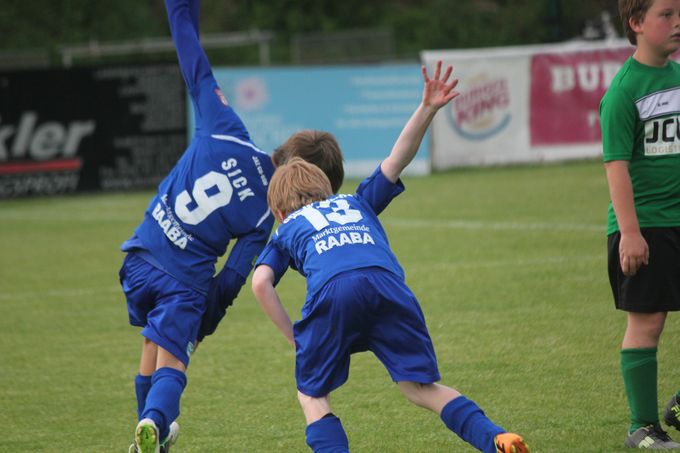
(486, 124)
(524, 104)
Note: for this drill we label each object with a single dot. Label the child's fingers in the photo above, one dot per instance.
(437, 70)
(452, 85)
(452, 95)
(424, 71)
(447, 74)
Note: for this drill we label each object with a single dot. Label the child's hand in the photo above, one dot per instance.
(437, 93)
(633, 253)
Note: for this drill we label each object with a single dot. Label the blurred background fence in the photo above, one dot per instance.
(91, 97)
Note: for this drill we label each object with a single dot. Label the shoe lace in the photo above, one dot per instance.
(656, 432)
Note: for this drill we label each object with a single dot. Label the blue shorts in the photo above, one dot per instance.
(169, 311)
(367, 309)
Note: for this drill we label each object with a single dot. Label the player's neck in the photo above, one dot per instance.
(650, 56)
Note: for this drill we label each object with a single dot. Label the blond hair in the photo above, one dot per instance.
(295, 184)
(316, 147)
(633, 9)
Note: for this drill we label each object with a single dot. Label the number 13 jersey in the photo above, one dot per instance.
(341, 233)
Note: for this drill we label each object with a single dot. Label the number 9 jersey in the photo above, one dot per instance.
(217, 191)
(341, 233)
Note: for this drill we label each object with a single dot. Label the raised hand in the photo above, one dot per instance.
(437, 92)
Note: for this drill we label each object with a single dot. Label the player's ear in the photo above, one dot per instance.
(279, 215)
(635, 23)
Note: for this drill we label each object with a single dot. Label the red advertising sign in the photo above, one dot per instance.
(566, 89)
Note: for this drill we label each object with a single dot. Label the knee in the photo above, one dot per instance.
(312, 403)
(304, 400)
(415, 392)
(650, 327)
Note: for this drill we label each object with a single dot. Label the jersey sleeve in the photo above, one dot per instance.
(183, 19)
(378, 191)
(248, 247)
(213, 115)
(617, 121)
(275, 258)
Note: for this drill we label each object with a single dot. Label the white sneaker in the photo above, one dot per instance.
(146, 437)
(171, 439)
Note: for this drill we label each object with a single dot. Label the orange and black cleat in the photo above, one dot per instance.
(510, 443)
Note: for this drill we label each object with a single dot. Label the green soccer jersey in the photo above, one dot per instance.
(640, 120)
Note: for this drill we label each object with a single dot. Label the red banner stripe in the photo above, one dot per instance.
(46, 166)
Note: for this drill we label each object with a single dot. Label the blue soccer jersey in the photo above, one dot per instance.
(217, 191)
(339, 234)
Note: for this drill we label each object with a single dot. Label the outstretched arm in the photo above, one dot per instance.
(436, 94)
(183, 19)
(263, 289)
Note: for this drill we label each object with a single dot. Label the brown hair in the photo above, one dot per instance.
(296, 184)
(633, 9)
(316, 147)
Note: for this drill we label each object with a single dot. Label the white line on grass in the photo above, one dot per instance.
(64, 292)
(68, 216)
(549, 260)
(450, 265)
(116, 216)
(483, 225)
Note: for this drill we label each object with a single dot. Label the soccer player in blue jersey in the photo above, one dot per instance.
(215, 193)
(357, 299)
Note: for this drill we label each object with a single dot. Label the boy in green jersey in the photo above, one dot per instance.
(640, 120)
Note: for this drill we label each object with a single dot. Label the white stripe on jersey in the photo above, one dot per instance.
(658, 104)
(263, 218)
(229, 138)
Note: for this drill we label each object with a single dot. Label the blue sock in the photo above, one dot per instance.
(468, 421)
(162, 402)
(142, 386)
(327, 436)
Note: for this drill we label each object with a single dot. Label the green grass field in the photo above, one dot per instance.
(509, 265)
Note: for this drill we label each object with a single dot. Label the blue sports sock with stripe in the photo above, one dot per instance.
(327, 436)
(142, 386)
(162, 402)
(467, 420)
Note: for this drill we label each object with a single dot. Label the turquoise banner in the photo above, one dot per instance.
(365, 107)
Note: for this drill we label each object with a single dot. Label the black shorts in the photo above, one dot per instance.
(656, 286)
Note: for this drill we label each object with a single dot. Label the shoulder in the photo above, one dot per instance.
(619, 85)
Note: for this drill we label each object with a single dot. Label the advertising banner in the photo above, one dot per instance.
(544, 107)
(89, 128)
(364, 107)
(566, 89)
(486, 123)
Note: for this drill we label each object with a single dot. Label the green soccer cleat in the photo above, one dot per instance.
(166, 444)
(672, 413)
(510, 443)
(651, 437)
(146, 437)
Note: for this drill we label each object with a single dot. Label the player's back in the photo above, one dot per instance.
(216, 192)
(333, 236)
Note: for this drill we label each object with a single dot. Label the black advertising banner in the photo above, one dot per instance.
(86, 129)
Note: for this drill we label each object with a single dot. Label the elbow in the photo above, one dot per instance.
(260, 282)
